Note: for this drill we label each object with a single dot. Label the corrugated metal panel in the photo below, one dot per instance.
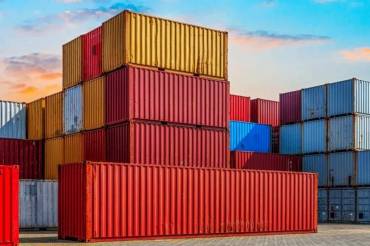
(9, 227)
(153, 143)
(250, 136)
(240, 108)
(54, 115)
(36, 119)
(317, 164)
(342, 205)
(265, 112)
(138, 93)
(92, 54)
(12, 120)
(38, 204)
(95, 145)
(164, 201)
(363, 168)
(342, 168)
(291, 139)
(54, 156)
(73, 148)
(314, 102)
(72, 63)
(290, 107)
(265, 161)
(94, 103)
(73, 110)
(315, 136)
(323, 205)
(131, 38)
(275, 139)
(363, 205)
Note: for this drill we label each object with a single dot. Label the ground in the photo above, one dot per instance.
(328, 235)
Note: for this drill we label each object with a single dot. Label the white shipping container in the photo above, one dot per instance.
(12, 120)
(72, 110)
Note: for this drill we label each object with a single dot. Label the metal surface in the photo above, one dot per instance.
(36, 119)
(250, 136)
(323, 205)
(94, 103)
(54, 156)
(240, 108)
(72, 63)
(146, 94)
(363, 205)
(265, 112)
(314, 138)
(363, 168)
(313, 102)
(13, 120)
(73, 110)
(342, 205)
(38, 204)
(275, 139)
(74, 148)
(92, 54)
(95, 145)
(317, 163)
(54, 115)
(342, 168)
(291, 139)
(131, 38)
(290, 107)
(116, 202)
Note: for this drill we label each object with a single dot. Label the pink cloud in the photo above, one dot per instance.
(357, 54)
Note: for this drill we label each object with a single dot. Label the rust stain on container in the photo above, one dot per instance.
(54, 115)
(73, 148)
(36, 119)
(54, 156)
(72, 63)
(94, 103)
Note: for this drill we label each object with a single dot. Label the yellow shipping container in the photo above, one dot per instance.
(131, 38)
(73, 148)
(36, 119)
(94, 103)
(54, 115)
(72, 63)
(54, 156)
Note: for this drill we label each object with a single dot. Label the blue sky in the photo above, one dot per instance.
(275, 45)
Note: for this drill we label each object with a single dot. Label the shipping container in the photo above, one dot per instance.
(95, 145)
(121, 202)
(240, 108)
(131, 38)
(155, 143)
(317, 163)
(291, 139)
(348, 97)
(74, 148)
(323, 205)
(94, 103)
(265, 112)
(9, 225)
(146, 94)
(54, 156)
(315, 136)
(265, 161)
(92, 54)
(72, 63)
(250, 136)
(314, 103)
(13, 120)
(54, 115)
(342, 168)
(73, 110)
(290, 107)
(36, 119)
(342, 205)
(349, 133)
(275, 139)
(363, 205)
(362, 167)
(38, 204)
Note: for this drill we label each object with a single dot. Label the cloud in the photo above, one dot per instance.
(357, 55)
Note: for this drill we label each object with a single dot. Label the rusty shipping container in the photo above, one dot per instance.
(240, 108)
(72, 63)
(36, 119)
(94, 103)
(146, 94)
(54, 115)
(92, 54)
(131, 38)
(290, 107)
(54, 156)
(265, 112)
(155, 143)
(9, 189)
(123, 201)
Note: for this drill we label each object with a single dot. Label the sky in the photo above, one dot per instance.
(275, 46)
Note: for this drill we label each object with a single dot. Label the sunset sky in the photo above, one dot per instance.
(275, 45)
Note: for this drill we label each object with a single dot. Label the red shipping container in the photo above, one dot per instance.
(265, 112)
(275, 139)
(290, 107)
(28, 154)
(95, 145)
(155, 143)
(146, 94)
(265, 161)
(123, 201)
(240, 108)
(9, 183)
(92, 54)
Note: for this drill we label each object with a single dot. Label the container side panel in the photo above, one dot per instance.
(240, 108)
(72, 63)
(314, 102)
(342, 168)
(54, 115)
(92, 54)
(291, 139)
(317, 163)
(73, 110)
(314, 136)
(290, 107)
(94, 103)
(13, 120)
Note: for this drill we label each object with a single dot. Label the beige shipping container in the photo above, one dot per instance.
(54, 115)
(72, 63)
(137, 39)
(36, 119)
(94, 103)
(54, 156)
(73, 148)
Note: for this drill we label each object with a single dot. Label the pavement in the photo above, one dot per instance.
(329, 234)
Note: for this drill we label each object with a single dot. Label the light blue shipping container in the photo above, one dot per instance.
(313, 102)
(250, 136)
(342, 168)
(342, 205)
(349, 97)
(363, 168)
(323, 205)
(349, 133)
(363, 205)
(291, 139)
(317, 163)
(12, 120)
(73, 110)
(314, 136)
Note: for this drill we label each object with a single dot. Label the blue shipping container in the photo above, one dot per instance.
(342, 205)
(73, 108)
(291, 139)
(363, 205)
(250, 136)
(317, 163)
(314, 136)
(342, 168)
(323, 205)
(313, 102)
(349, 97)
(363, 168)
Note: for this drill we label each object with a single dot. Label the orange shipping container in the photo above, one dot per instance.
(54, 115)
(131, 38)
(72, 63)
(94, 103)
(73, 148)
(36, 119)
(54, 156)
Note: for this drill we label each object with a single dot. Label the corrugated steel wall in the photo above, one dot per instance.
(363, 205)
(73, 109)
(291, 139)
(290, 107)
(315, 136)
(342, 206)
(363, 168)
(92, 54)
(13, 120)
(72, 63)
(240, 108)
(317, 163)
(54, 115)
(36, 119)
(342, 168)
(323, 205)
(54, 156)
(95, 145)
(265, 112)
(313, 102)
(74, 148)
(94, 103)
